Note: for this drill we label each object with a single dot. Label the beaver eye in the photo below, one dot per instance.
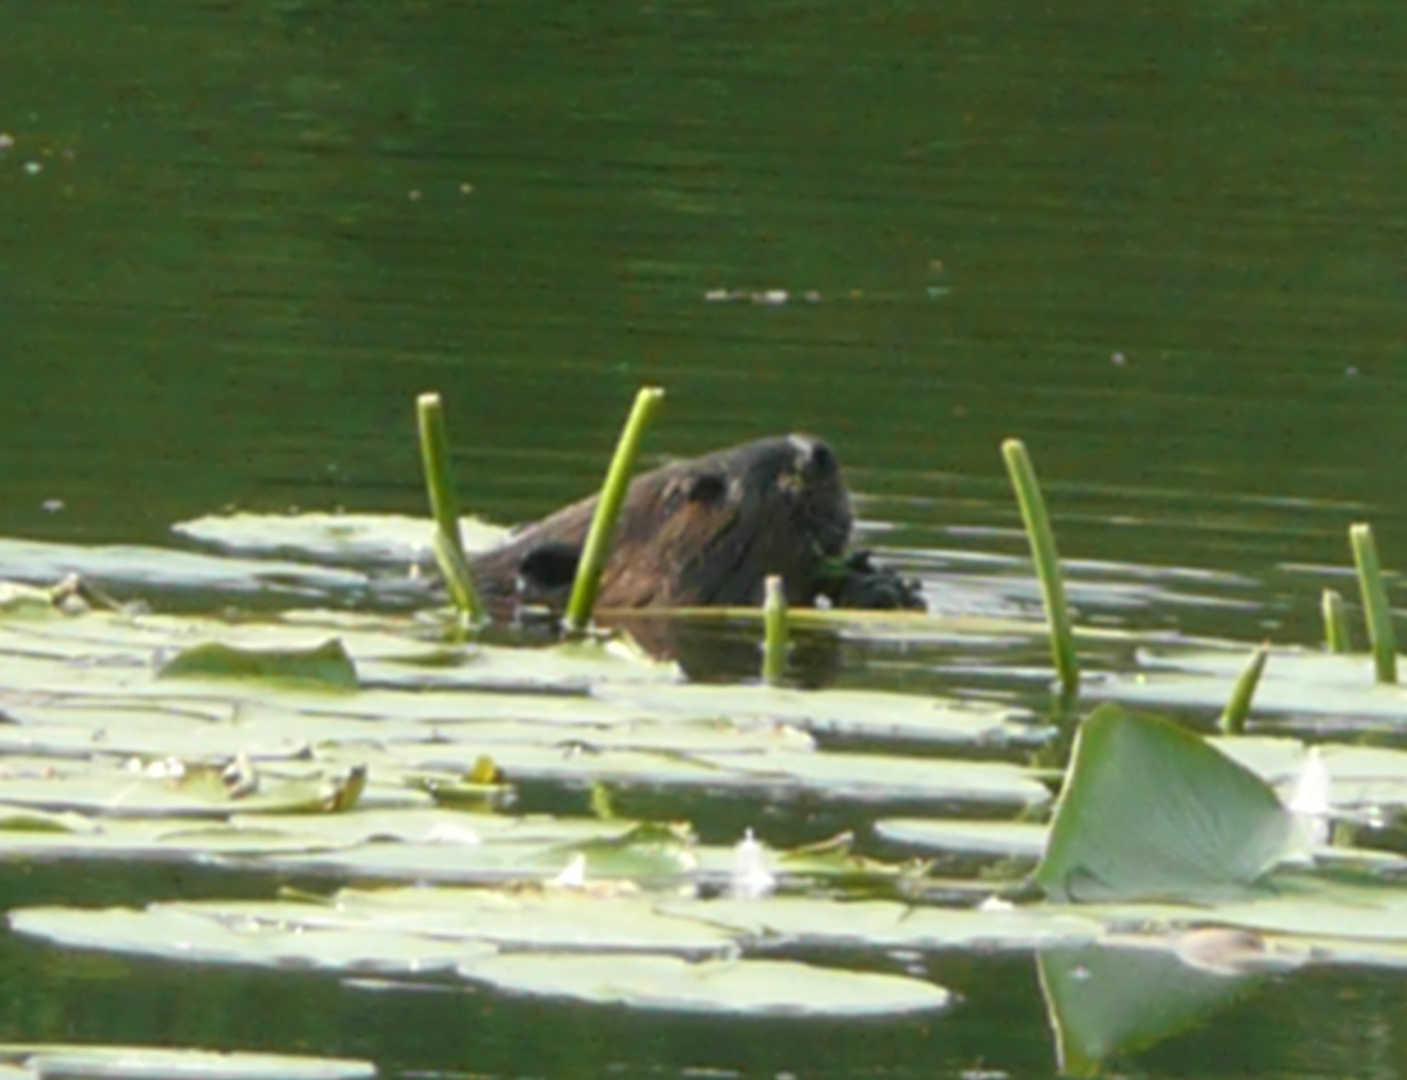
(707, 489)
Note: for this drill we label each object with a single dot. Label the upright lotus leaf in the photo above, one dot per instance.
(1104, 1001)
(327, 664)
(1151, 811)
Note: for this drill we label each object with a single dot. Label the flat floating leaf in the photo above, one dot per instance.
(151, 568)
(874, 716)
(335, 538)
(211, 931)
(1302, 687)
(730, 987)
(1152, 811)
(885, 924)
(1003, 838)
(164, 1063)
(326, 664)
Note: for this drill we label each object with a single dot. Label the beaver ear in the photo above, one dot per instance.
(549, 566)
(708, 488)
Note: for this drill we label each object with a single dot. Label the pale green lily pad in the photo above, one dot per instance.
(325, 664)
(884, 924)
(18, 599)
(165, 1063)
(333, 538)
(880, 778)
(1342, 911)
(101, 651)
(552, 919)
(1151, 810)
(855, 714)
(1371, 777)
(206, 936)
(1306, 920)
(1008, 839)
(1327, 689)
(728, 987)
(145, 569)
(547, 920)
(177, 790)
(783, 774)
(646, 855)
(571, 665)
(406, 844)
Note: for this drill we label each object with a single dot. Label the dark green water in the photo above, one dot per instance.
(1162, 243)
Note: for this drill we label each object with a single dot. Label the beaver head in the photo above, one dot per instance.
(705, 531)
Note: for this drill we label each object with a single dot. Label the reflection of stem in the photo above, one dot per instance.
(1238, 708)
(1047, 560)
(1375, 606)
(776, 631)
(603, 523)
(448, 544)
(1335, 621)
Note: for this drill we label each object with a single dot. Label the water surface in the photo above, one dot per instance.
(1163, 244)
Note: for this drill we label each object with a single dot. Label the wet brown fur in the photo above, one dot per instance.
(704, 531)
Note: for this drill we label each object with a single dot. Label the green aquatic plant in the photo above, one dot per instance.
(1047, 560)
(603, 524)
(776, 632)
(1336, 637)
(1376, 609)
(439, 483)
(1238, 708)
(1149, 810)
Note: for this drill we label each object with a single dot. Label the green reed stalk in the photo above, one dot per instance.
(1238, 708)
(776, 631)
(439, 483)
(1047, 560)
(1335, 621)
(1376, 611)
(603, 524)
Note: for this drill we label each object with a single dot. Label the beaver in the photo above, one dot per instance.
(706, 531)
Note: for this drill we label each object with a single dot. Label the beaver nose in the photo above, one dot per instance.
(813, 456)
